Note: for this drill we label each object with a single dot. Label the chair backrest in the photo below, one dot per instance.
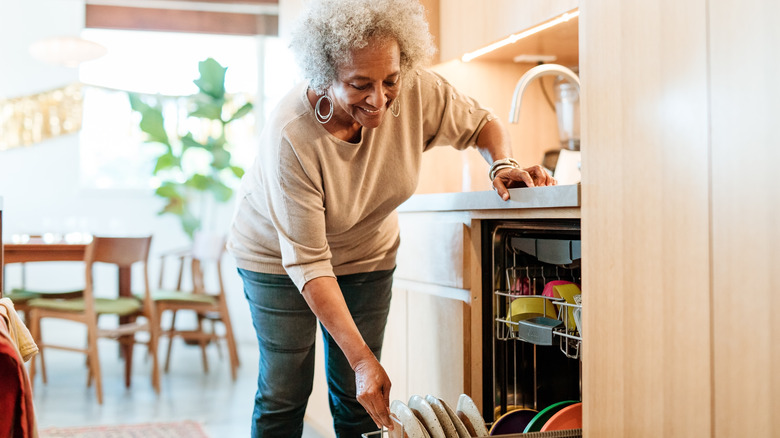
(207, 248)
(121, 251)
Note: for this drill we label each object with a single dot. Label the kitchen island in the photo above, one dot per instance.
(433, 343)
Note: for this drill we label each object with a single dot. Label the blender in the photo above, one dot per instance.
(567, 111)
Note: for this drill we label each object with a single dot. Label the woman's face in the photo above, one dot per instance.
(365, 88)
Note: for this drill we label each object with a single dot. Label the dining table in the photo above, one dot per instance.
(37, 249)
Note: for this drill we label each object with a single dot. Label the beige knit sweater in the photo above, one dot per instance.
(313, 205)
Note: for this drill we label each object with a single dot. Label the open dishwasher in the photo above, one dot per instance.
(531, 355)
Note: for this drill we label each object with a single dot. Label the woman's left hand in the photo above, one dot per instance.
(533, 176)
(373, 391)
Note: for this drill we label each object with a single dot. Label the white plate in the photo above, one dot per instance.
(444, 418)
(425, 413)
(459, 426)
(467, 411)
(412, 427)
(422, 428)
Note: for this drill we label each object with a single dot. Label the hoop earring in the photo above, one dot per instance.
(395, 109)
(323, 118)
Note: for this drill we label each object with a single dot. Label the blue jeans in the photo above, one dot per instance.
(286, 331)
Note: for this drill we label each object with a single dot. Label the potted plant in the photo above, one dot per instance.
(190, 190)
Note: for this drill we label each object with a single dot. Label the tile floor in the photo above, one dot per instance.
(223, 406)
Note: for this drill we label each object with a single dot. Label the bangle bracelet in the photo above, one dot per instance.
(495, 170)
(502, 164)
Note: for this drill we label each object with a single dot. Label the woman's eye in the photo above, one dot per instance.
(359, 87)
(391, 84)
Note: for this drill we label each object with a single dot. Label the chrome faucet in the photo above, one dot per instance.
(530, 75)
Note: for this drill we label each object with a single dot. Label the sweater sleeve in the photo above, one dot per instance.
(451, 117)
(296, 209)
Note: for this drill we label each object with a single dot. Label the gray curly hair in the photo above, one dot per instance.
(329, 30)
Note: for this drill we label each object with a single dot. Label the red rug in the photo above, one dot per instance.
(178, 429)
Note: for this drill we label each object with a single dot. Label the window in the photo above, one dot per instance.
(113, 154)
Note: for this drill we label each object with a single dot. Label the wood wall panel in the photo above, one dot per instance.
(646, 283)
(746, 217)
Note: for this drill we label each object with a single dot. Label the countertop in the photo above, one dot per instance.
(551, 197)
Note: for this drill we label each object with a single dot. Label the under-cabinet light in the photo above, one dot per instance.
(518, 36)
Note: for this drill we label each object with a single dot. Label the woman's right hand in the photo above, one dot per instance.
(373, 391)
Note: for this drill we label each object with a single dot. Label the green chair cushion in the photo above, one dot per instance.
(122, 306)
(21, 296)
(183, 297)
(18, 295)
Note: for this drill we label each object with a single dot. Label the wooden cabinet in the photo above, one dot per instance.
(679, 219)
(427, 340)
(467, 25)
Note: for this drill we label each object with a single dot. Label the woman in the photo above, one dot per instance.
(315, 233)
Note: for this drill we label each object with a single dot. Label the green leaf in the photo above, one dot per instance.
(216, 143)
(241, 112)
(189, 142)
(153, 125)
(152, 122)
(136, 103)
(208, 108)
(238, 171)
(174, 206)
(189, 223)
(221, 158)
(212, 78)
(198, 182)
(170, 190)
(221, 192)
(166, 161)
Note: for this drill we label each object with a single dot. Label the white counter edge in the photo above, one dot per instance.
(528, 197)
(438, 290)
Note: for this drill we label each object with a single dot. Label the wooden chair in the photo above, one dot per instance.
(207, 306)
(124, 252)
(22, 297)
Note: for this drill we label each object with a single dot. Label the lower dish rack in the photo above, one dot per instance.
(571, 433)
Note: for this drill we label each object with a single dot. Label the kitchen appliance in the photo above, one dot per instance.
(567, 111)
(536, 365)
(565, 160)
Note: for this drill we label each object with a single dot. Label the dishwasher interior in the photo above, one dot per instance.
(531, 347)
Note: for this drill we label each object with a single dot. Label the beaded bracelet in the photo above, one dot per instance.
(503, 163)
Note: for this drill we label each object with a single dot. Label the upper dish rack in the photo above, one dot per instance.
(537, 299)
(542, 330)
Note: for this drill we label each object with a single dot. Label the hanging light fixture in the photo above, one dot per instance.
(67, 51)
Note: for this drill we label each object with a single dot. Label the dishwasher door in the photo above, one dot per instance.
(532, 363)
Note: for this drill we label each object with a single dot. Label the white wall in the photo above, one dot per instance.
(40, 183)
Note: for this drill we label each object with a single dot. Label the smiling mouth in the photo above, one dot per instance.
(368, 111)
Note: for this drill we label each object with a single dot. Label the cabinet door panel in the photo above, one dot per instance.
(745, 218)
(435, 346)
(433, 251)
(645, 219)
(467, 25)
